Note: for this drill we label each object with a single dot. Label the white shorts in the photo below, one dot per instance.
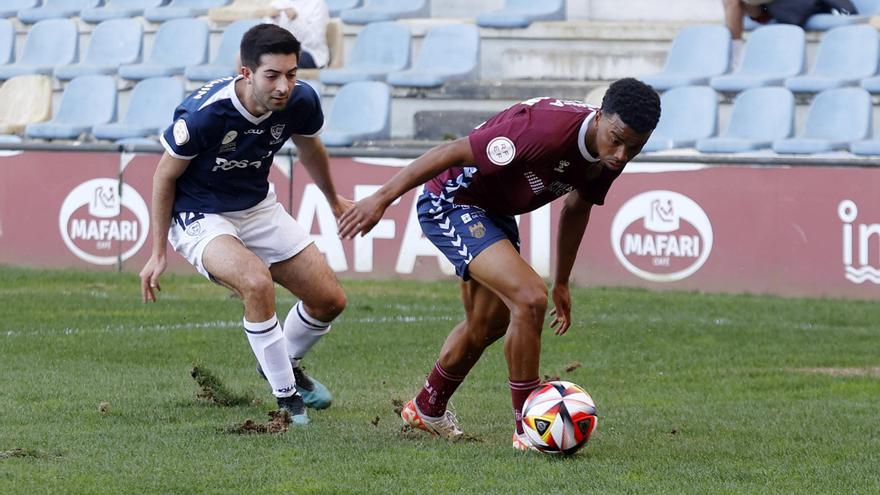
(265, 229)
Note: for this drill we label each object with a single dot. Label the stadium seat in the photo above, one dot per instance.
(48, 44)
(689, 113)
(846, 55)
(335, 42)
(836, 118)
(24, 100)
(241, 10)
(113, 43)
(224, 62)
(87, 101)
(759, 117)
(449, 52)
(386, 10)
(521, 13)
(337, 6)
(118, 9)
(7, 41)
(55, 9)
(150, 110)
(824, 22)
(868, 147)
(167, 57)
(10, 8)
(871, 84)
(697, 53)
(361, 111)
(181, 9)
(772, 53)
(379, 48)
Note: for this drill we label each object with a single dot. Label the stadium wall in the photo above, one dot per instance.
(671, 224)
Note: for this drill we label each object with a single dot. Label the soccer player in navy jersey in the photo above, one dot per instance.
(517, 161)
(213, 201)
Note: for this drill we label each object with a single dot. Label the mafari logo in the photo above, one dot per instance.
(661, 236)
(94, 215)
(847, 210)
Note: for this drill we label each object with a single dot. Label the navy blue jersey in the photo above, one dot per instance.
(230, 151)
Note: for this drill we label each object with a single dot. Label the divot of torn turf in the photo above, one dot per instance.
(279, 422)
(23, 453)
(212, 390)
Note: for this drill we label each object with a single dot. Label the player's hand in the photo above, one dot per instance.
(340, 206)
(561, 311)
(150, 277)
(362, 217)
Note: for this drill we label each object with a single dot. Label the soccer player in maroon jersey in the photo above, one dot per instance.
(516, 162)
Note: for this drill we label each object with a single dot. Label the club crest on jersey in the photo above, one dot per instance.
(181, 132)
(500, 151)
(563, 164)
(276, 131)
(477, 230)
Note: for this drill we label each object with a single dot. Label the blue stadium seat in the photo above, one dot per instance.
(772, 53)
(846, 55)
(689, 113)
(872, 84)
(113, 43)
(48, 44)
(179, 9)
(824, 22)
(361, 111)
(521, 13)
(10, 8)
(386, 10)
(379, 48)
(337, 6)
(178, 44)
(759, 117)
(223, 64)
(55, 9)
(697, 53)
(118, 9)
(150, 110)
(868, 147)
(86, 102)
(7, 41)
(449, 52)
(836, 118)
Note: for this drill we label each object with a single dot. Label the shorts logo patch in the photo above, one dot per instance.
(477, 230)
(194, 229)
(500, 151)
(181, 132)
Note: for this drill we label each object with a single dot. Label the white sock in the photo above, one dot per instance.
(267, 341)
(302, 331)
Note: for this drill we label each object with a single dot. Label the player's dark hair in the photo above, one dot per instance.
(266, 39)
(636, 103)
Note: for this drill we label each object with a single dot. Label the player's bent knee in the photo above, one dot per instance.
(329, 307)
(257, 286)
(530, 302)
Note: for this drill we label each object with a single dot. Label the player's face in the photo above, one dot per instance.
(273, 81)
(616, 142)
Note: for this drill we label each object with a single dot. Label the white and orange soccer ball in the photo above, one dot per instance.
(559, 417)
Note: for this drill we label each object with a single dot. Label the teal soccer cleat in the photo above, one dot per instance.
(314, 394)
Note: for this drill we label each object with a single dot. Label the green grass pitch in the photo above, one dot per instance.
(696, 394)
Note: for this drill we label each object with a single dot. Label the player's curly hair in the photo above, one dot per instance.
(264, 39)
(636, 103)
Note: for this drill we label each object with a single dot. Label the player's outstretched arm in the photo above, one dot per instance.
(314, 158)
(164, 180)
(364, 215)
(572, 223)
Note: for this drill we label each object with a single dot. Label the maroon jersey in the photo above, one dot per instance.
(527, 156)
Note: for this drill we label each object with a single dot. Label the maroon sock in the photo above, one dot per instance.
(519, 392)
(438, 388)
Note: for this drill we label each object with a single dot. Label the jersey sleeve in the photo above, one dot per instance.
(507, 140)
(309, 117)
(183, 138)
(595, 190)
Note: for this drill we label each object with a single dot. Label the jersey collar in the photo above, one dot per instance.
(582, 142)
(240, 106)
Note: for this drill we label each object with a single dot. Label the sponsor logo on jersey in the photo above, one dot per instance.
(227, 145)
(466, 218)
(563, 164)
(535, 182)
(500, 151)
(254, 131)
(477, 230)
(229, 137)
(858, 265)
(181, 132)
(661, 236)
(224, 164)
(95, 220)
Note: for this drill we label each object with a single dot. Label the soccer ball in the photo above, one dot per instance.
(559, 417)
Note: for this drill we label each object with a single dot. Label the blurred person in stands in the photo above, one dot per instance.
(307, 20)
(783, 11)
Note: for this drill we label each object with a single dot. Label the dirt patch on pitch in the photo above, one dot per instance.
(872, 372)
(19, 453)
(279, 422)
(212, 389)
